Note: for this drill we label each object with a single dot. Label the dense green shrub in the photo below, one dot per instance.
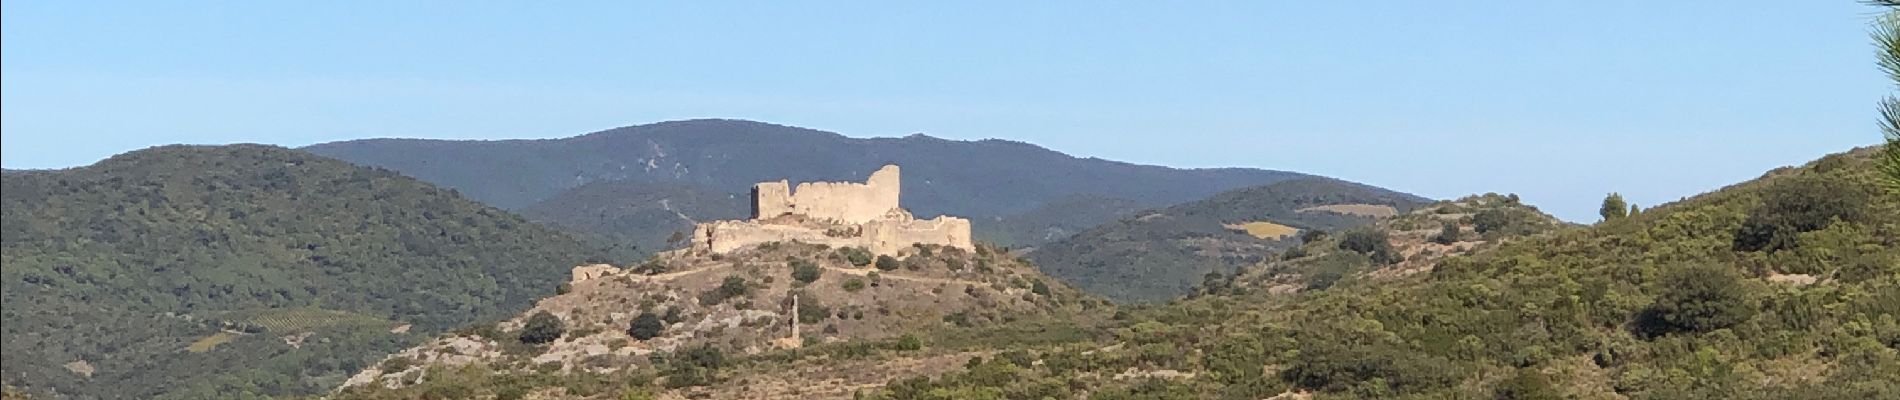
(646, 326)
(887, 263)
(1528, 384)
(696, 366)
(542, 327)
(732, 286)
(857, 256)
(1799, 204)
(908, 342)
(1334, 364)
(1448, 234)
(805, 271)
(1313, 235)
(1700, 298)
(1490, 220)
(1372, 243)
(810, 311)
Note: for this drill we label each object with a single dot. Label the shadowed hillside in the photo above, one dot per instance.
(1161, 254)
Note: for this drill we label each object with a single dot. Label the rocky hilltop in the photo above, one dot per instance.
(762, 301)
(827, 263)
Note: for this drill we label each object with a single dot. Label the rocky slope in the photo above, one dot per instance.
(739, 305)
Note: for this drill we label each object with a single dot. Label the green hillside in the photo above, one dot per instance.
(112, 272)
(1786, 287)
(1157, 255)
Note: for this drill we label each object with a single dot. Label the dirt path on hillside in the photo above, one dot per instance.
(663, 277)
(888, 275)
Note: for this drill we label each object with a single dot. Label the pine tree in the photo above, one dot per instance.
(1887, 39)
(1614, 207)
(1634, 211)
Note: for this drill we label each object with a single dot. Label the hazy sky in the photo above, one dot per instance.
(1558, 102)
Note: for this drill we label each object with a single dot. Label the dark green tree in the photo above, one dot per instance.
(646, 326)
(1370, 242)
(1491, 220)
(733, 286)
(542, 327)
(1528, 384)
(908, 342)
(805, 271)
(1449, 233)
(857, 256)
(1699, 298)
(887, 263)
(1614, 207)
(1797, 204)
(1312, 235)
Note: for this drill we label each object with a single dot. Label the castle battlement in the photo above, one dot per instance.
(838, 214)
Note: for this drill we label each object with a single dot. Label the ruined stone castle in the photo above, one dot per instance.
(837, 214)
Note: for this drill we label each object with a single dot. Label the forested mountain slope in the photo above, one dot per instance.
(199, 271)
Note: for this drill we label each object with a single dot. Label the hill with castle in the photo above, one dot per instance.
(819, 263)
(1783, 287)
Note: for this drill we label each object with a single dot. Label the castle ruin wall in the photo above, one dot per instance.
(837, 214)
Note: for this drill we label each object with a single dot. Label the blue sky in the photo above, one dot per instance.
(1561, 102)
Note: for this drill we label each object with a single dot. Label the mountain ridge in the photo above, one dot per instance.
(715, 152)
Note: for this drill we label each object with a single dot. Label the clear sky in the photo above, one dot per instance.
(1561, 102)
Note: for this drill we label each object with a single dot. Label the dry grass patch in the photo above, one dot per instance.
(211, 342)
(1264, 229)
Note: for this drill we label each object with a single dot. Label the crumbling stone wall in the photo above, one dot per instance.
(771, 199)
(841, 202)
(595, 271)
(893, 233)
(726, 236)
(834, 214)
